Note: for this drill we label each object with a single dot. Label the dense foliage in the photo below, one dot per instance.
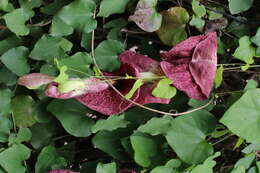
(129, 86)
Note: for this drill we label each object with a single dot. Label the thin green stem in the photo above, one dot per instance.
(237, 68)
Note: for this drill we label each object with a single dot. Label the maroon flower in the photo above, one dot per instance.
(191, 65)
(61, 171)
(108, 102)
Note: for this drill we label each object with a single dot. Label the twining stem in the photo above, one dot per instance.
(131, 101)
(235, 68)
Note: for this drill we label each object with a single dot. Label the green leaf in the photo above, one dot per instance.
(245, 51)
(138, 83)
(172, 30)
(108, 7)
(256, 39)
(251, 84)
(6, 126)
(72, 116)
(54, 6)
(42, 133)
(146, 16)
(15, 59)
(78, 64)
(219, 76)
(197, 22)
(24, 135)
(59, 28)
(192, 127)
(7, 77)
(48, 48)
(23, 111)
(160, 169)
(111, 123)
(11, 159)
(106, 168)
(251, 148)
(79, 15)
(239, 169)
(49, 159)
(110, 143)
(213, 15)
(243, 117)
(246, 161)
(164, 89)
(29, 5)
(5, 104)
(6, 6)
(156, 126)
(8, 43)
(107, 55)
(198, 9)
(63, 77)
(207, 165)
(142, 155)
(15, 21)
(198, 103)
(238, 6)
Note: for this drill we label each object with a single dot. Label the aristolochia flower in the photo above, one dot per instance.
(191, 65)
(109, 102)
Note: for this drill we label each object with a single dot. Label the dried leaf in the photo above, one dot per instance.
(146, 16)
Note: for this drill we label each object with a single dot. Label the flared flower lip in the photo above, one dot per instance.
(191, 65)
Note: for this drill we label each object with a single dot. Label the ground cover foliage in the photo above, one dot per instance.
(69, 44)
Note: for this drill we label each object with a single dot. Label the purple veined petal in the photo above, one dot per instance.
(192, 67)
(182, 50)
(92, 85)
(182, 79)
(61, 171)
(34, 80)
(126, 171)
(204, 63)
(141, 62)
(107, 101)
(146, 96)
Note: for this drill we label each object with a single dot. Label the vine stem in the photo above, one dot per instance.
(131, 101)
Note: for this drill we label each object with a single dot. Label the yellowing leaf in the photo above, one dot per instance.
(172, 30)
(219, 76)
(146, 16)
(164, 89)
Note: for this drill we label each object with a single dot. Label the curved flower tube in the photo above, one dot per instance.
(192, 64)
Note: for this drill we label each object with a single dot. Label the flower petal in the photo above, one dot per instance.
(146, 97)
(109, 102)
(183, 49)
(182, 79)
(141, 62)
(35, 80)
(92, 85)
(191, 65)
(204, 63)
